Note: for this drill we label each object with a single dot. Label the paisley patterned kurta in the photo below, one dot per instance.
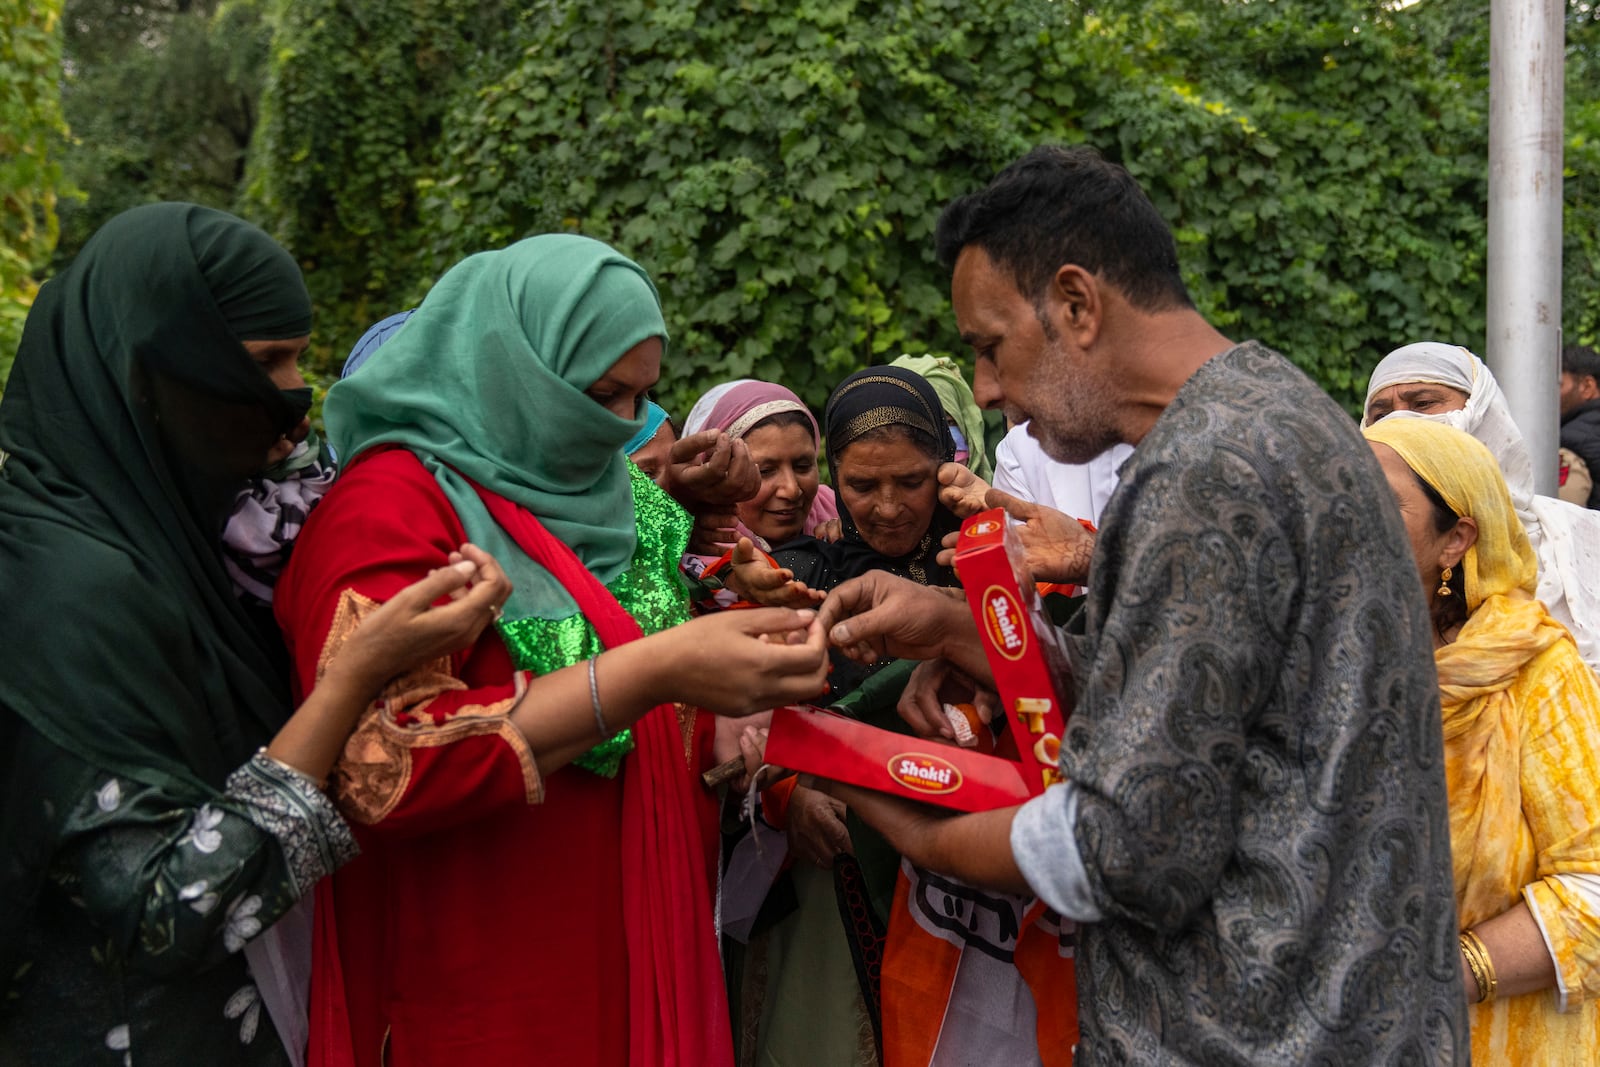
(1256, 756)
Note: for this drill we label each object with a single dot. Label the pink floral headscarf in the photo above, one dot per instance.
(736, 407)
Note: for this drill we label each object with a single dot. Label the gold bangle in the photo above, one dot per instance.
(1482, 967)
(1473, 967)
(1492, 980)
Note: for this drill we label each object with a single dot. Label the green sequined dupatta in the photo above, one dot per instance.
(649, 590)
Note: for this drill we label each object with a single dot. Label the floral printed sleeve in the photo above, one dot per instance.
(176, 887)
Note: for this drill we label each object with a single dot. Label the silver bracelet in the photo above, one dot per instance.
(594, 701)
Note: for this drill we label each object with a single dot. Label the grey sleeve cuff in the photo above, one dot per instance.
(1044, 841)
(315, 840)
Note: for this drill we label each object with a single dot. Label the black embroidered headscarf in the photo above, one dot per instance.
(132, 414)
(868, 400)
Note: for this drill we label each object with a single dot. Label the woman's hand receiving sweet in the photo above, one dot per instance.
(753, 576)
(935, 684)
(740, 662)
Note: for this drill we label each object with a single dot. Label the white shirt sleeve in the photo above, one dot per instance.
(1044, 842)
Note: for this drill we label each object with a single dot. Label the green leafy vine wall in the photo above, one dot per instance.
(778, 167)
(32, 135)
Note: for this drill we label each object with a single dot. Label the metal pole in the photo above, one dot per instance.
(1527, 46)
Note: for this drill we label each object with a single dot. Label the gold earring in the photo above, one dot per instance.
(1444, 582)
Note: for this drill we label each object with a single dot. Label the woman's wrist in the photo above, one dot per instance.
(649, 672)
(315, 781)
(310, 742)
(354, 673)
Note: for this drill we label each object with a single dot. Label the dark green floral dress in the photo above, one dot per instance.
(142, 846)
(148, 905)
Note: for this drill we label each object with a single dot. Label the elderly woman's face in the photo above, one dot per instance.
(1425, 398)
(890, 487)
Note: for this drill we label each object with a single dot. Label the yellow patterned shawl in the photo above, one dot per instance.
(1522, 755)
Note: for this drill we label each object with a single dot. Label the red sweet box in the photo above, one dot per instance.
(1021, 647)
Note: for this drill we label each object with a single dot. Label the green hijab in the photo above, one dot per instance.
(486, 382)
(123, 640)
(955, 396)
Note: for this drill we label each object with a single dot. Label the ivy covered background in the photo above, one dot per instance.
(778, 167)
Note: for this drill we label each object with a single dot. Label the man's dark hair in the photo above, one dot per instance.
(1056, 206)
(1581, 361)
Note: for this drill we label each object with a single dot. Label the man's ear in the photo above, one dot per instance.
(1076, 304)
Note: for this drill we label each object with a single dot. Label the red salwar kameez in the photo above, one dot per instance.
(496, 916)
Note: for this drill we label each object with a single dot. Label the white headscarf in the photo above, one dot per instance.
(700, 415)
(1565, 537)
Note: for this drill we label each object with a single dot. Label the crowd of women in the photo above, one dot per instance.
(430, 787)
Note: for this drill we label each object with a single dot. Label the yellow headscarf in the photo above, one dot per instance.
(1506, 629)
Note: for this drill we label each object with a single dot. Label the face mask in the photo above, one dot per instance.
(298, 402)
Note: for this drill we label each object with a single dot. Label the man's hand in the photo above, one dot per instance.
(879, 616)
(974, 847)
(710, 468)
(962, 491)
(1057, 545)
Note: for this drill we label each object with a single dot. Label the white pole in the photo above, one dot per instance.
(1527, 45)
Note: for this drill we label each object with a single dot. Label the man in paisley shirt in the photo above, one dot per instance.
(1253, 833)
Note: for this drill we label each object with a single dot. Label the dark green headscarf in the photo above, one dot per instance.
(487, 380)
(122, 638)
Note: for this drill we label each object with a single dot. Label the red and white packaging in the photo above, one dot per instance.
(833, 746)
(1020, 644)
(1019, 641)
